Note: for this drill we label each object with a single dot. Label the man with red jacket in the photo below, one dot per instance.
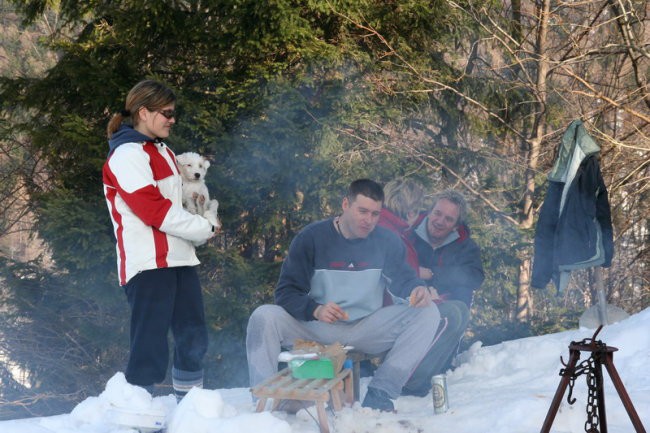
(450, 264)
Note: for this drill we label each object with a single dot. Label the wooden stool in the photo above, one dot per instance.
(283, 386)
(356, 358)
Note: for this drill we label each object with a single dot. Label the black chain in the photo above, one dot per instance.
(591, 425)
(587, 367)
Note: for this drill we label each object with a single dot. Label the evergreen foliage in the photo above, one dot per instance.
(62, 334)
(290, 100)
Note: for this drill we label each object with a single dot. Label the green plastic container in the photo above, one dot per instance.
(312, 368)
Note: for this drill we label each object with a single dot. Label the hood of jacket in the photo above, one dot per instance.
(391, 221)
(575, 147)
(126, 134)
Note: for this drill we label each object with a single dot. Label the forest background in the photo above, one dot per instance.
(291, 100)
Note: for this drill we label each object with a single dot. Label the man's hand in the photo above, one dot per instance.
(330, 313)
(434, 293)
(420, 297)
(425, 273)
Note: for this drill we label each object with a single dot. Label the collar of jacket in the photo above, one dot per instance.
(575, 147)
(127, 134)
(460, 234)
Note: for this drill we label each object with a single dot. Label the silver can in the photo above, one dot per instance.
(439, 391)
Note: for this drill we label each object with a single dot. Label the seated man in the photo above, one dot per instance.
(450, 263)
(331, 290)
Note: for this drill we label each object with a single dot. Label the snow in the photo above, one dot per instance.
(503, 388)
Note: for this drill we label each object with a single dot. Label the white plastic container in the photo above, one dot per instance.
(145, 421)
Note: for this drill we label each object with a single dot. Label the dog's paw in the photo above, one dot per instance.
(200, 198)
(213, 219)
(213, 206)
(211, 213)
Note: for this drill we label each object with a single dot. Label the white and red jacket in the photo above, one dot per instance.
(143, 190)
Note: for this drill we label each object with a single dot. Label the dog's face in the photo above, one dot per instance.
(193, 166)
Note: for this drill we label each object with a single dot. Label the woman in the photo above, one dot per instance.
(402, 203)
(155, 242)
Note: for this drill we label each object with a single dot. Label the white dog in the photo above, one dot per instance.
(196, 198)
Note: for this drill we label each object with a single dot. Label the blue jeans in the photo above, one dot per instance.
(160, 300)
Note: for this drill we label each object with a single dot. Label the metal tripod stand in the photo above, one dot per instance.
(601, 354)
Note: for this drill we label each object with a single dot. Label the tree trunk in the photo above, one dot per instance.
(516, 30)
(524, 298)
(540, 116)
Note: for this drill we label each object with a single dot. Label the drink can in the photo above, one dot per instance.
(439, 391)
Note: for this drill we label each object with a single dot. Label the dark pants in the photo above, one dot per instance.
(439, 358)
(160, 300)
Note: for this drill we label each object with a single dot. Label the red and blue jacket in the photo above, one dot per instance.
(143, 190)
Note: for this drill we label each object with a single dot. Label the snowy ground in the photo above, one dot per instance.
(505, 388)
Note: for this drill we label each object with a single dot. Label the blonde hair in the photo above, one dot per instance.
(149, 94)
(403, 196)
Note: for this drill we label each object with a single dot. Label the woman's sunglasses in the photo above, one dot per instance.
(168, 114)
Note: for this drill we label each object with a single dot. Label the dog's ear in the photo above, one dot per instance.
(206, 163)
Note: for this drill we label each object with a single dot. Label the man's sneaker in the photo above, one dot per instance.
(416, 392)
(366, 368)
(378, 399)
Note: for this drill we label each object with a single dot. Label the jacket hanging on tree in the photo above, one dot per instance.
(574, 229)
